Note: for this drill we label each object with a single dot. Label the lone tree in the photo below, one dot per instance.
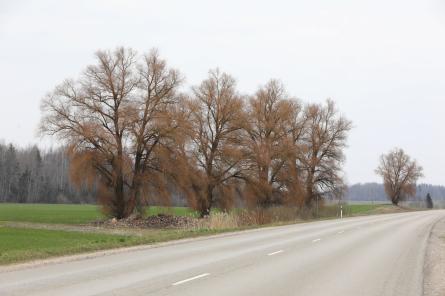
(115, 118)
(399, 174)
(429, 202)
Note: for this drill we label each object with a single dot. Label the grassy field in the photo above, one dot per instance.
(33, 231)
(22, 244)
(349, 210)
(361, 209)
(69, 214)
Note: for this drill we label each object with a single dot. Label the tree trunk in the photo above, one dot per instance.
(122, 209)
(309, 195)
(265, 199)
(120, 199)
(206, 202)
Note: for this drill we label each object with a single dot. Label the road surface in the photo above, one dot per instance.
(372, 255)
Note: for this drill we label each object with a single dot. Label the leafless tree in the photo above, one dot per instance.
(215, 124)
(268, 145)
(114, 117)
(324, 140)
(399, 174)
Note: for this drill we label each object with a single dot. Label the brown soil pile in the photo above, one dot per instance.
(158, 221)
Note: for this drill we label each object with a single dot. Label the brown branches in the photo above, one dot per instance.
(399, 174)
(215, 127)
(118, 110)
(138, 139)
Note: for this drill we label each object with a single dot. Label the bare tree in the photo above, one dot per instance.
(154, 125)
(324, 140)
(113, 118)
(399, 174)
(268, 144)
(215, 123)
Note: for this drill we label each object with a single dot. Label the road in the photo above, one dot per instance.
(372, 255)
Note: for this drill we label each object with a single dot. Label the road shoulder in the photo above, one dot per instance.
(434, 268)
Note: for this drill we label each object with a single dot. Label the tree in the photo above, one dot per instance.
(11, 173)
(399, 174)
(23, 185)
(429, 202)
(215, 125)
(324, 140)
(267, 143)
(41, 176)
(114, 118)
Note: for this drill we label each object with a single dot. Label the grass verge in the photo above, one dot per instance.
(24, 244)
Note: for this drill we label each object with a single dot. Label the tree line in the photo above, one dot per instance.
(29, 175)
(376, 192)
(135, 136)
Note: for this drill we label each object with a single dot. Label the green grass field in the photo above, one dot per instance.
(363, 208)
(68, 213)
(22, 244)
(330, 211)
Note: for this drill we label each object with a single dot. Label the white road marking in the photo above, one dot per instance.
(316, 240)
(191, 279)
(340, 232)
(274, 253)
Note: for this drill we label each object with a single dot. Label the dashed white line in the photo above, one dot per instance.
(274, 253)
(340, 232)
(316, 240)
(191, 279)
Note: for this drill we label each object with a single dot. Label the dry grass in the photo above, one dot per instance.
(246, 218)
(223, 220)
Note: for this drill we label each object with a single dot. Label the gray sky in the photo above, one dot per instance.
(383, 62)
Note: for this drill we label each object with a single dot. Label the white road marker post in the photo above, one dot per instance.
(341, 211)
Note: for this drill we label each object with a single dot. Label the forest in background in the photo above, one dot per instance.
(376, 192)
(31, 175)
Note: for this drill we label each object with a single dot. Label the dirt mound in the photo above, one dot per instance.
(158, 221)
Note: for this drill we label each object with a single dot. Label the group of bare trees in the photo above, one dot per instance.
(133, 134)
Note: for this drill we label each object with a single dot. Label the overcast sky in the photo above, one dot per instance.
(383, 62)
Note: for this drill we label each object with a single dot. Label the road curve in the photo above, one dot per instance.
(372, 255)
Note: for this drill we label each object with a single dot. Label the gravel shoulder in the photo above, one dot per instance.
(434, 269)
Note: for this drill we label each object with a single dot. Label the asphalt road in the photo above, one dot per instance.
(373, 255)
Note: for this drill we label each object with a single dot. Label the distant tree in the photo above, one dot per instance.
(11, 173)
(399, 174)
(23, 186)
(114, 119)
(324, 141)
(429, 202)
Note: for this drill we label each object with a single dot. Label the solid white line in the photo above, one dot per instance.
(274, 253)
(316, 240)
(191, 279)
